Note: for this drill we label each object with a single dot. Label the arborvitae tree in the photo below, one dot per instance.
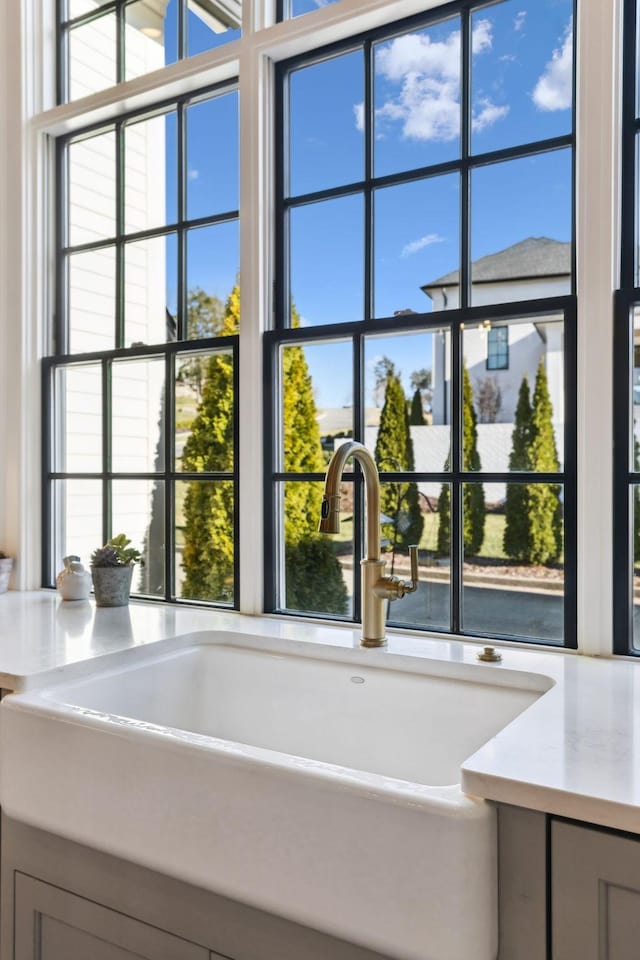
(517, 522)
(394, 451)
(208, 554)
(416, 416)
(545, 508)
(473, 495)
(314, 579)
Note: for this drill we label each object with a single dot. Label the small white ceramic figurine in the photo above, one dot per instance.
(74, 582)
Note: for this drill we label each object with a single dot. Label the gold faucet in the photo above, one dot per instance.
(376, 587)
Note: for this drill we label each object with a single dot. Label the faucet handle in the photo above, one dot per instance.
(410, 586)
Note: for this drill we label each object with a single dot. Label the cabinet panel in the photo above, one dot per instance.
(595, 894)
(52, 924)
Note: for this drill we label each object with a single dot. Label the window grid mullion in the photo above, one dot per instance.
(181, 239)
(107, 424)
(120, 230)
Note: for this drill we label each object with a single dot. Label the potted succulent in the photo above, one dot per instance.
(6, 565)
(111, 571)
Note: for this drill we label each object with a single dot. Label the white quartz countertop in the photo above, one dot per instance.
(574, 753)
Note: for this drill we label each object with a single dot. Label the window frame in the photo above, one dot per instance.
(59, 358)
(626, 298)
(283, 334)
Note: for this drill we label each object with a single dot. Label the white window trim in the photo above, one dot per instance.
(28, 120)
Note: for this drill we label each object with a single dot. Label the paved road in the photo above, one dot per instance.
(486, 610)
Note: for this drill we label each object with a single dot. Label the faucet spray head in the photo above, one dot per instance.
(330, 515)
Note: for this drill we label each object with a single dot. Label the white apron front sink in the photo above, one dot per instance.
(316, 783)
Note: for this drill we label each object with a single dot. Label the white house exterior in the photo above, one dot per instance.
(536, 267)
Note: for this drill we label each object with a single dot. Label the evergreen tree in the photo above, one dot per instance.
(416, 416)
(545, 508)
(394, 451)
(313, 575)
(314, 579)
(208, 556)
(517, 522)
(473, 493)
(473, 496)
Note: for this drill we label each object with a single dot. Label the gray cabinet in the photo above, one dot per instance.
(53, 924)
(64, 901)
(595, 894)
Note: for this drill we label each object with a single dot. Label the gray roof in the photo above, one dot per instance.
(526, 260)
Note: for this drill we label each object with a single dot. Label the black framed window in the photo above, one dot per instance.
(104, 42)
(627, 372)
(425, 198)
(498, 348)
(140, 418)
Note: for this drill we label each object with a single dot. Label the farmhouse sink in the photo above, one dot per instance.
(316, 783)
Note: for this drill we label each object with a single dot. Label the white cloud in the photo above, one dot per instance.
(508, 58)
(417, 245)
(520, 18)
(488, 114)
(193, 174)
(553, 91)
(427, 104)
(358, 109)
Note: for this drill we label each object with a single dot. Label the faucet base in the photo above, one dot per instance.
(374, 607)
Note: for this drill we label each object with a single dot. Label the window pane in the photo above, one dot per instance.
(150, 179)
(513, 560)
(212, 156)
(77, 511)
(299, 7)
(417, 98)
(213, 260)
(150, 278)
(150, 37)
(76, 8)
(138, 512)
(407, 401)
(92, 56)
(78, 419)
(521, 229)
(205, 412)
(419, 513)
(327, 262)
(326, 124)
(417, 246)
(316, 404)
(92, 188)
(92, 300)
(205, 540)
(518, 410)
(318, 569)
(521, 73)
(138, 412)
(211, 23)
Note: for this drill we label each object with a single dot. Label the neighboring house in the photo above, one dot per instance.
(505, 352)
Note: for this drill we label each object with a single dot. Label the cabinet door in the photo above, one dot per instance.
(595, 894)
(53, 924)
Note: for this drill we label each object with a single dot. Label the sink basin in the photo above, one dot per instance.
(317, 783)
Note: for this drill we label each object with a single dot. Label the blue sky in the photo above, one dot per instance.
(520, 91)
